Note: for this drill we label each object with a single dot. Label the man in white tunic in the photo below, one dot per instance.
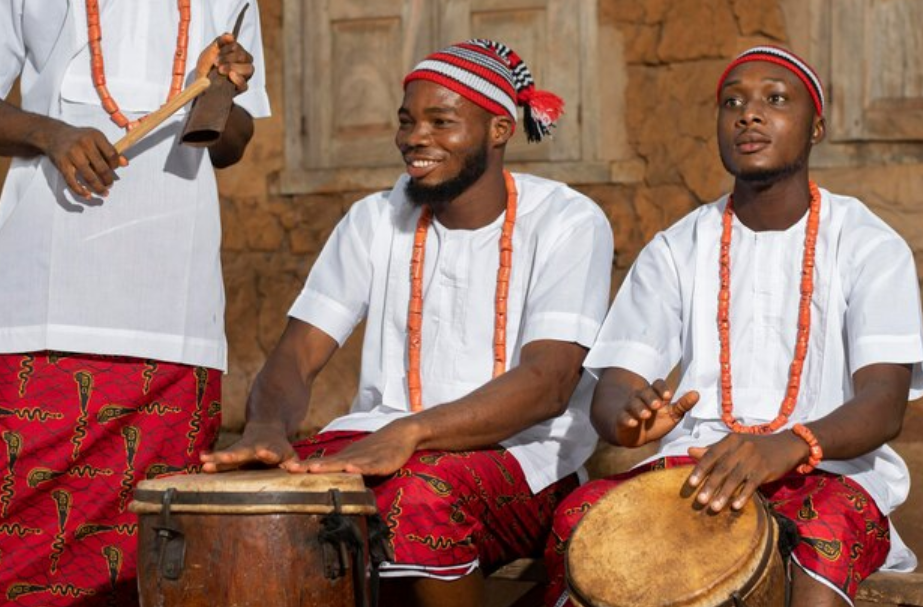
(794, 317)
(111, 319)
(481, 291)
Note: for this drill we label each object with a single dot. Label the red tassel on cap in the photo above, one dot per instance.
(542, 110)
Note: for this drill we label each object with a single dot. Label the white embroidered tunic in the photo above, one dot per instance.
(559, 290)
(865, 310)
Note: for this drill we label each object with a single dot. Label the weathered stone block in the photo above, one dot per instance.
(759, 18)
(697, 29)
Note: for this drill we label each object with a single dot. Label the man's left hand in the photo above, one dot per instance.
(230, 59)
(378, 454)
(730, 471)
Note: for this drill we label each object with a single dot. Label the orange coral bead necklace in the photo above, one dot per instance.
(804, 320)
(415, 309)
(97, 66)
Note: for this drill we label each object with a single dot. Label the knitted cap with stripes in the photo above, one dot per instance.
(492, 76)
(788, 60)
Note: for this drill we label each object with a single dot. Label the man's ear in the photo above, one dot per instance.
(501, 129)
(818, 130)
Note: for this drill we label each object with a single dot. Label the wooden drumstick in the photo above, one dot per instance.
(156, 118)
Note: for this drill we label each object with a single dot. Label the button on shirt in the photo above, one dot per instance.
(137, 273)
(559, 288)
(865, 310)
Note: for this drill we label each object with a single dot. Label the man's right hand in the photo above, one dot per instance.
(630, 412)
(651, 414)
(278, 401)
(83, 156)
(264, 444)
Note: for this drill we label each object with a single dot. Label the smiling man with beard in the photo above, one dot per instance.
(794, 316)
(482, 291)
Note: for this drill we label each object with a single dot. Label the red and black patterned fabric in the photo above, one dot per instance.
(844, 537)
(77, 432)
(449, 513)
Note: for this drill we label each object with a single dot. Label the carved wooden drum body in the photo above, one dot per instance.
(645, 545)
(251, 538)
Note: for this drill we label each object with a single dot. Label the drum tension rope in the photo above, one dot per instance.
(341, 537)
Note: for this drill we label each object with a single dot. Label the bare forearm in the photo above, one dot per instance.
(279, 398)
(83, 156)
(526, 395)
(23, 133)
(229, 149)
(282, 390)
(610, 397)
(871, 418)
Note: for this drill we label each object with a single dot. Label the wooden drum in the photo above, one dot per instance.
(253, 538)
(645, 544)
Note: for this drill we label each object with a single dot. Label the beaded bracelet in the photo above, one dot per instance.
(816, 454)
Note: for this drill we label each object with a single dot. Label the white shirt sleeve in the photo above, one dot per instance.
(642, 332)
(12, 49)
(568, 296)
(883, 317)
(335, 297)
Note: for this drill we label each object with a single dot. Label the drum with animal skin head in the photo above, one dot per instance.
(254, 538)
(647, 543)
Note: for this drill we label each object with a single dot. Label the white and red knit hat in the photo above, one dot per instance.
(492, 76)
(788, 60)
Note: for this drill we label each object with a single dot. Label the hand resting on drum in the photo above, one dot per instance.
(629, 412)
(261, 444)
(278, 400)
(731, 470)
(378, 454)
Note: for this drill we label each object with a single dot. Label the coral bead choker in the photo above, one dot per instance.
(415, 309)
(97, 66)
(804, 321)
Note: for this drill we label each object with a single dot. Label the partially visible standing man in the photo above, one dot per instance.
(111, 319)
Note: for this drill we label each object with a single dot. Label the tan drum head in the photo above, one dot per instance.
(256, 491)
(645, 545)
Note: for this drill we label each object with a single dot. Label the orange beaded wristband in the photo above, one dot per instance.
(816, 454)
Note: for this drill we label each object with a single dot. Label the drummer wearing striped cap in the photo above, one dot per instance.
(472, 411)
(793, 315)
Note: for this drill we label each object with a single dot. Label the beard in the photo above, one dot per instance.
(770, 176)
(440, 195)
